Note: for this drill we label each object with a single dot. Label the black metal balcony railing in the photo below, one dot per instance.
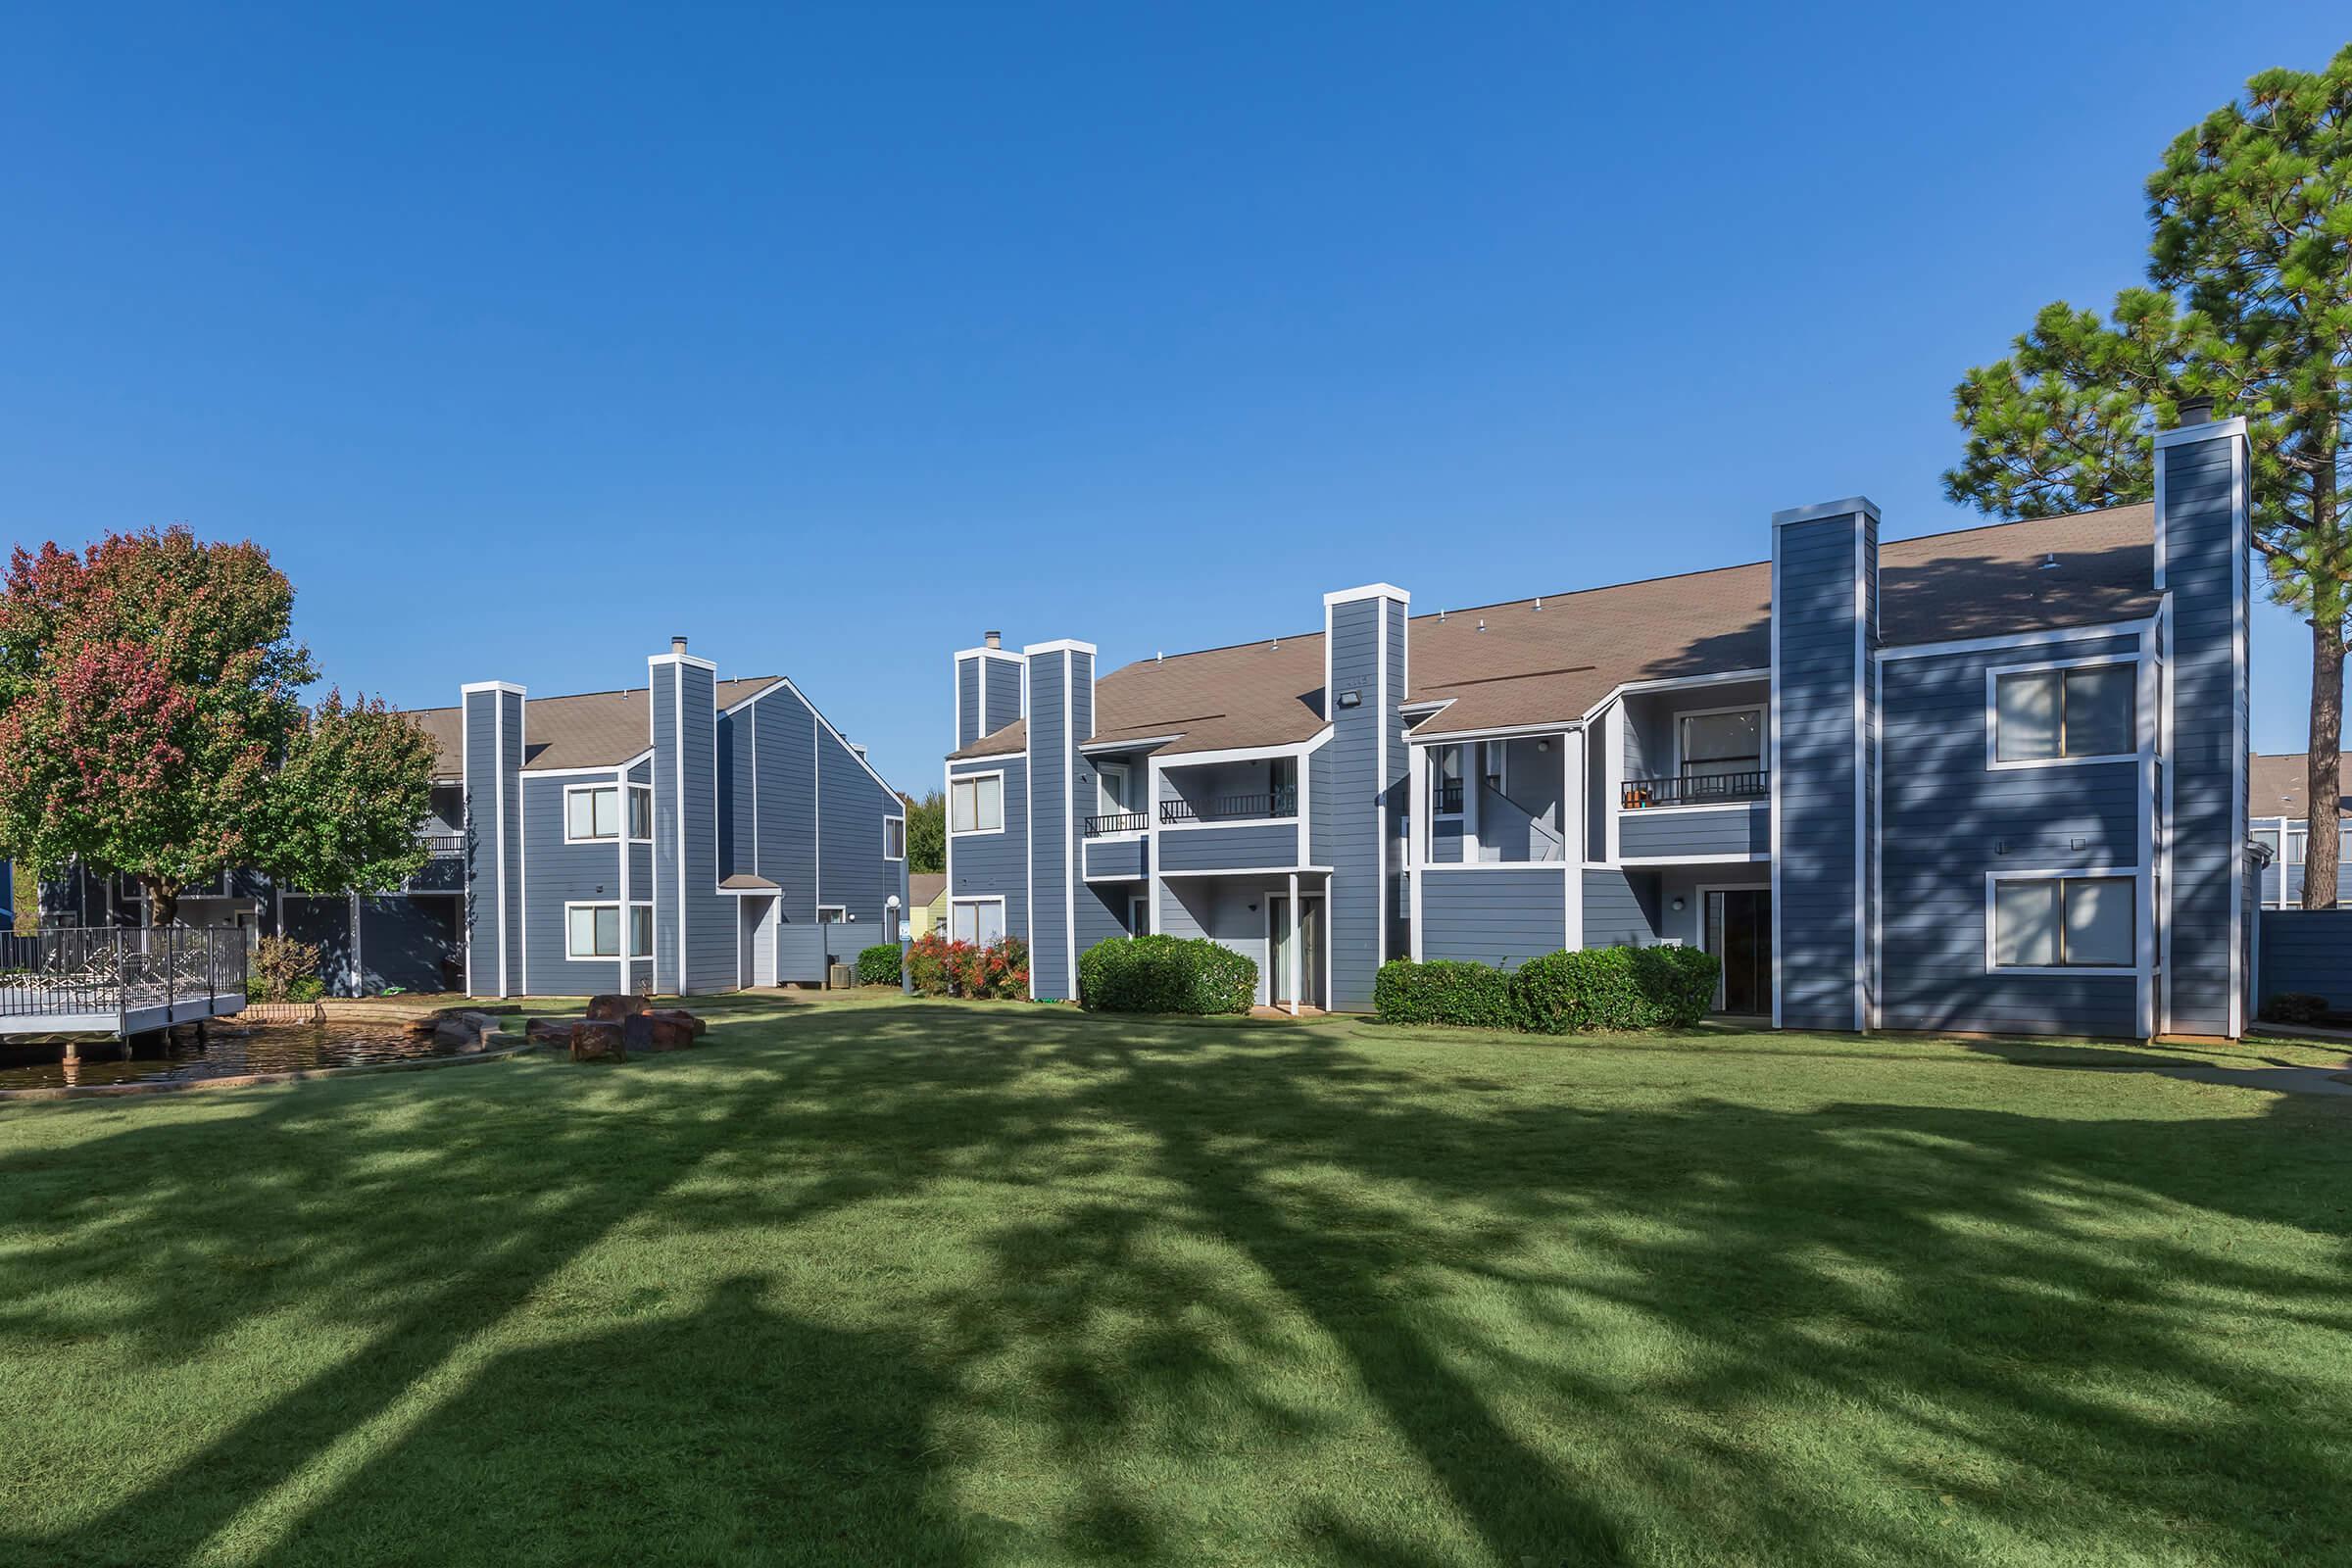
(1450, 798)
(118, 970)
(1117, 822)
(1233, 808)
(441, 846)
(1696, 789)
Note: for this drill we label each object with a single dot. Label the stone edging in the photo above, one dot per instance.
(246, 1080)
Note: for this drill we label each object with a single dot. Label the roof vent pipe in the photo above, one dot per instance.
(1482, 623)
(2049, 562)
(1539, 601)
(993, 639)
(678, 644)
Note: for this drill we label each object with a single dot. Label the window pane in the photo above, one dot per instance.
(2098, 711)
(989, 813)
(580, 815)
(2099, 921)
(2294, 847)
(2028, 718)
(894, 839)
(641, 931)
(960, 796)
(1110, 784)
(608, 931)
(607, 813)
(641, 811)
(1715, 744)
(2024, 923)
(2267, 838)
(962, 921)
(580, 935)
(991, 924)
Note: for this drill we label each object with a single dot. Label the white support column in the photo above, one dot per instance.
(1416, 842)
(1290, 964)
(1474, 788)
(1612, 783)
(1572, 836)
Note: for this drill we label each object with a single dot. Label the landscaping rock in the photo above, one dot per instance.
(660, 1031)
(553, 1031)
(614, 1007)
(468, 1031)
(597, 1040)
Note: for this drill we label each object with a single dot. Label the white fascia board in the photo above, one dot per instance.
(1009, 656)
(736, 707)
(995, 760)
(695, 660)
(1438, 737)
(492, 686)
(1250, 870)
(1670, 683)
(1060, 645)
(1141, 744)
(1370, 590)
(2019, 639)
(602, 770)
(1244, 754)
(2209, 430)
(1827, 508)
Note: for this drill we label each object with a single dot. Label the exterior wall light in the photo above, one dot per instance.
(1351, 699)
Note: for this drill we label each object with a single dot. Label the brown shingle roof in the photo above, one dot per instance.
(2278, 785)
(589, 730)
(1533, 665)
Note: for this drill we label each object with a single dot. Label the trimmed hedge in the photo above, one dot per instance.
(878, 966)
(1474, 995)
(1165, 974)
(1612, 989)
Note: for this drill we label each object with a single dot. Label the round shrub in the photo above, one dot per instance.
(878, 966)
(1165, 974)
(1616, 989)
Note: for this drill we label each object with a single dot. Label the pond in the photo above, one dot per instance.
(226, 1052)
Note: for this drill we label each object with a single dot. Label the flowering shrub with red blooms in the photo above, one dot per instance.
(939, 967)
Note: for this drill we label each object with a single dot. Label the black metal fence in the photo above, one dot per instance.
(1233, 808)
(1696, 789)
(120, 970)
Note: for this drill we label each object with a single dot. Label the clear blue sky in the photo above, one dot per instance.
(524, 339)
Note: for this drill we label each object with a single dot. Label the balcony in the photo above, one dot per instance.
(1272, 805)
(443, 845)
(1117, 822)
(1695, 788)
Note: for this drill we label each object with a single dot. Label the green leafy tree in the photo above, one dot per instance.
(151, 723)
(926, 832)
(2250, 263)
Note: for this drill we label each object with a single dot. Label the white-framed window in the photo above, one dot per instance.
(592, 930)
(1112, 783)
(889, 920)
(2082, 710)
(976, 920)
(591, 813)
(2061, 921)
(1445, 780)
(2298, 840)
(641, 930)
(1720, 742)
(641, 813)
(832, 914)
(894, 837)
(1139, 915)
(976, 804)
(2267, 838)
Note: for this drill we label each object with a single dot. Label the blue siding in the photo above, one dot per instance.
(969, 725)
(710, 937)
(1062, 700)
(1000, 684)
(410, 943)
(1814, 711)
(2207, 574)
(1367, 656)
(1504, 917)
(1116, 858)
(996, 864)
(1949, 819)
(782, 734)
(2307, 950)
(1228, 848)
(493, 762)
(1679, 832)
(1620, 909)
(850, 807)
(582, 873)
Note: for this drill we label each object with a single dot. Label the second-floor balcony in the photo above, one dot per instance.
(1696, 789)
(443, 845)
(1111, 822)
(1266, 806)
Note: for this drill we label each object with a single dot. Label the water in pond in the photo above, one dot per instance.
(226, 1052)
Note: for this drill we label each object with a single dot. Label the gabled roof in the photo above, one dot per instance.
(1517, 663)
(591, 729)
(2279, 786)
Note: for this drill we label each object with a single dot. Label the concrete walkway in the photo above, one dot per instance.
(2280, 1077)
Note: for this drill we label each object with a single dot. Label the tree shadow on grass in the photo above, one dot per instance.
(1374, 1308)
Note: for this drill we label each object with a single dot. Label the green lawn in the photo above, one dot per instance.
(895, 1282)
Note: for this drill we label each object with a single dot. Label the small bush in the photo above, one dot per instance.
(938, 967)
(1561, 993)
(2295, 1006)
(1475, 996)
(282, 969)
(878, 966)
(1165, 974)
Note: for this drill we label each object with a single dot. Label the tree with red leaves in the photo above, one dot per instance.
(152, 722)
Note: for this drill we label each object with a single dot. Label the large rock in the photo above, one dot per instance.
(554, 1031)
(660, 1031)
(466, 1031)
(614, 1007)
(597, 1040)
